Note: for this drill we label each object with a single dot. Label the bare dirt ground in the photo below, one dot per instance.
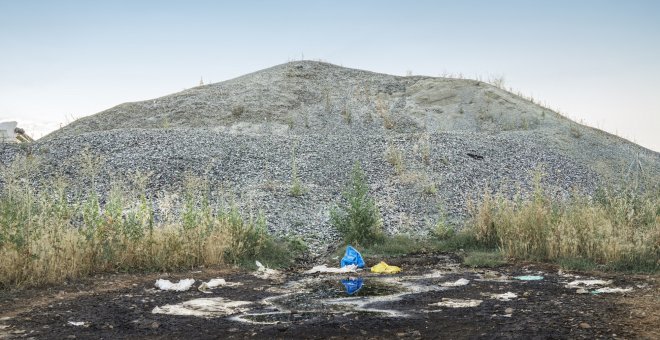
(434, 297)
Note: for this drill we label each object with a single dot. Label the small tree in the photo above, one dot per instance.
(358, 219)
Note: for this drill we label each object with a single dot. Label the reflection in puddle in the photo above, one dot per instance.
(352, 285)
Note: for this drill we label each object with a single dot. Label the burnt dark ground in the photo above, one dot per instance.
(120, 307)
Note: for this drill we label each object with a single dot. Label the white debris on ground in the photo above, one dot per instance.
(587, 283)
(529, 278)
(351, 268)
(180, 286)
(77, 323)
(362, 304)
(267, 273)
(612, 290)
(457, 303)
(204, 307)
(457, 283)
(503, 297)
(215, 283)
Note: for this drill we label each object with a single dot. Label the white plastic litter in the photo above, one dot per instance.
(76, 323)
(529, 278)
(457, 283)
(266, 273)
(351, 268)
(215, 283)
(504, 297)
(180, 286)
(612, 290)
(587, 283)
(205, 307)
(457, 303)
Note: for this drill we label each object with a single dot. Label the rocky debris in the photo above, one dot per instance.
(243, 137)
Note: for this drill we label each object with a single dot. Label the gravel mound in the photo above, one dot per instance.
(457, 138)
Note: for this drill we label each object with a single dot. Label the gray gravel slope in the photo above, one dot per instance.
(240, 136)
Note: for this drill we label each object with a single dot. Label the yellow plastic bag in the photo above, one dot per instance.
(385, 268)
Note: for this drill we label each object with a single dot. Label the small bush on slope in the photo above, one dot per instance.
(358, 219)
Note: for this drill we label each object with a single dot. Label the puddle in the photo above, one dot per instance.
(331, 289)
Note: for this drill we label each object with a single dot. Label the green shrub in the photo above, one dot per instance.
(247, 238)
(358, 219)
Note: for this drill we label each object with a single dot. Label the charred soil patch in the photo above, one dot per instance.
(429, 299)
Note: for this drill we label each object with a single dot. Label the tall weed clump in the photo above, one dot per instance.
(51, 235)
(615, 230)
(358, 218)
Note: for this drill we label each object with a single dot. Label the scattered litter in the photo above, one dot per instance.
(76, 323)
(578, 283)
(529, 278)
(612, 290)
(385, 268)
(581, 291)
(205, 307)
(180, 286)
(352, 285)
(352, 257)
(214, 283)
(503, 297)
(457, 283)
(351, 268)
(267, 273)
(457, 303)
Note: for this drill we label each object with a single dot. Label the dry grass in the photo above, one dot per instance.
(46, 238)
(618, 231)
(394, 156)
(423, 148)
(383, 111)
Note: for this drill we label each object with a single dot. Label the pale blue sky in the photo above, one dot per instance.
(597, 61)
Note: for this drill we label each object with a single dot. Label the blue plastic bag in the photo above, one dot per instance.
(352, 256)
(352, 285)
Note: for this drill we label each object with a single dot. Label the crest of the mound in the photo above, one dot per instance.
(306, 96)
